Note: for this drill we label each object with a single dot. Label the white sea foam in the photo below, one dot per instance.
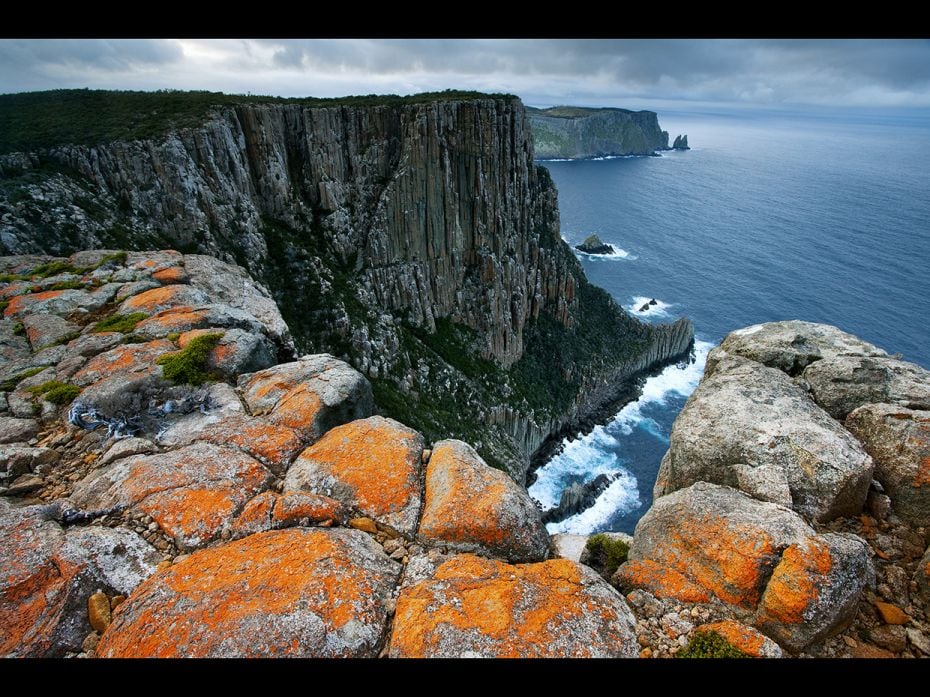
(660, 309)
(588, 456)
(618, 253)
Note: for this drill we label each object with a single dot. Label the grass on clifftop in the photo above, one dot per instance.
(607, 553)
(32, 120)
(120, 323)
(56, 392)
(189, 365)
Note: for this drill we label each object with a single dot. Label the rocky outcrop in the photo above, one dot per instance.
(481, 608)
(681, 143)
(580, 132)
(593, 245)
(745, 415)
(410, 238)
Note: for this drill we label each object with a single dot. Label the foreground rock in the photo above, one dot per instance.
(899, 441)
(474, 508)
(708, 543)
(474, 607)
(747, 639)
(301, 593)
(745, 414)
(50, 573)
(373, 465)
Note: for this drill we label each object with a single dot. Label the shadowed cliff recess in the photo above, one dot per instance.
(412, 236)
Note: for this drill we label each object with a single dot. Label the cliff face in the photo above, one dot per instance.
(417, 241)
(577, 132)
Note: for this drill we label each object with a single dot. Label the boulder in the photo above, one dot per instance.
(271, 511)
(49, 574)
(747, 639)
(898, 439)
(14, 430)
(46, 330)
(745, 414)
(475, 607)
(593, 245)
(844, 383)
(193, 492)
(474, 508)
(311, 395)
(53, 302)
(19, 459)
(568, 546)
(186, 318)
(164, 298)
(709, 541)
(237, 352)
(814, 591)
(273, 445)
(792, 345)
(300, 593)
(373, 465)
(922, 578)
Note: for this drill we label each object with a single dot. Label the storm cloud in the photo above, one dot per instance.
(596, 72)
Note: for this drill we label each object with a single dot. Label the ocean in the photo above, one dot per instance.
(772, 215)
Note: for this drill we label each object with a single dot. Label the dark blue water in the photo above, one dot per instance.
(791, 216)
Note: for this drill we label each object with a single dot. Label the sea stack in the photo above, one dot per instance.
(593, 245)
(681, 143)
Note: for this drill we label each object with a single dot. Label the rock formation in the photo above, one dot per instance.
(593, 245)
(580, 132)
(681, 143)
(413, 238)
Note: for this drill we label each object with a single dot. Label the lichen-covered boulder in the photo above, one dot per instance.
(193, 492)
(311, 395)
(373, 465)
(474, 508)
(791, 346)
(844, 383)
(747, 639)
(814, 591)
(476, 607)
(164, 298)
(709, 541)
(237, 351)
(271, 511)
(898, 439)
(747, 414)
(128, 359)
(47, 330)
(300, 593)
(49, 573)
(273, 445)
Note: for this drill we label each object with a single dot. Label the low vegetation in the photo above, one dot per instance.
(710, 645)
(606, 554)
(120, 323)
(189, 365)
(56, 392)
(9, 384)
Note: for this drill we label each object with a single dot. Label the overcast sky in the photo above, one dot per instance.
(634, 73)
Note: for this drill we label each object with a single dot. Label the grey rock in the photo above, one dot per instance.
(889, 636)
(792, 345)
(844, 383)
(898, 439)
(125, 448)
(765, 482)
(13, 429)
(19, 459)
(45, 330)
(179, 295)
(922, 578)
(24, 484)
(568, 546)
(744, 413)
(919, 639)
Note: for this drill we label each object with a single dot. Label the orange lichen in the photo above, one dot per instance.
(174, 320)
(191, 512)
(256, 514)
(270, 443)
(738, 635)
(463, 502)
(122, 359)
(170, 275)
(377, 460)
(189, 336)
(796, 583)
(13, 289)
(22, 302)
(296, 505)
(194, 607)
(298, 409)
(158, 299)
(500, 609)
(661, 581)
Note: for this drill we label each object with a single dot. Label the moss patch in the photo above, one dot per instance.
(10, 384)
(56, 392)
(190, 364)
(62, 340)
(120, 323)
(19, 329)
(606, 553)
(710, 645)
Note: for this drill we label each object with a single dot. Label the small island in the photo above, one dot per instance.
(593, 245)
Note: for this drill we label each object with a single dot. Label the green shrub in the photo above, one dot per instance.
(4, 304)
(62, 340)
(120, 323)
(710, 645)
(19, 329)
(173, 336)
(56, 392)
(53, 268)
(606, 553)
(134, 339)
(10, 384)
(189, 364)
(67, 285)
